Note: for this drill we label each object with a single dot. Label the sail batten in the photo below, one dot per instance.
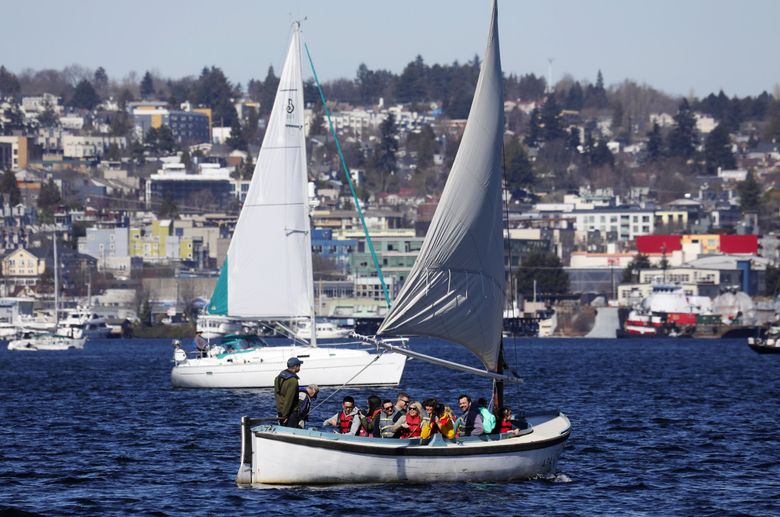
(268, 267)
(455, 290)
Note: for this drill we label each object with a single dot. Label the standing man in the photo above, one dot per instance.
(286, 392)
(471, 418)
(201, 345)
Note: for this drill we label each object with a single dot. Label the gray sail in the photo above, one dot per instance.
(455, 290)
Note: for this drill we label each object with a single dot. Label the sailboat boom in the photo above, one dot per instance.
(435, 360)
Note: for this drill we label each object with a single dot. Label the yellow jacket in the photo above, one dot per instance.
(443, 425)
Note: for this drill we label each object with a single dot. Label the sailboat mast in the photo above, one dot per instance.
(306, 211)
(56, 281)
(498, 384)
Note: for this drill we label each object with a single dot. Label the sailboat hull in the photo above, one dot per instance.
(280, 455)
(258, 367)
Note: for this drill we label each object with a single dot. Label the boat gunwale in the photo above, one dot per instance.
(364, 445)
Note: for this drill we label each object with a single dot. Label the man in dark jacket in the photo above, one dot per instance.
(470, 419)
(286, 392)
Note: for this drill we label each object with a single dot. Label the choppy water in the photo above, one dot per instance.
(660, 427)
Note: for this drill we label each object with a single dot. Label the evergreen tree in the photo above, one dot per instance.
(268, 92)
(100, 81)
(749, 193)
(49, 196)
(519, 171)
(601, 155)
(386, 153)
(552, 126)
(236, 140)
(574, 97)
(165, 140)
(9, 84)
(683, 138)
(534, 136)
(424, 145)
(214, 90)
(84, 96)
(546, 269)
(637, 264)
(654, 144)
(9, 186)
(717, 150)
(412, 82)
(48, 118)
(147, 86)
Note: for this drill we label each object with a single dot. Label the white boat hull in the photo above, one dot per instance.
(280, 455)
(37, 343)
(258, 367)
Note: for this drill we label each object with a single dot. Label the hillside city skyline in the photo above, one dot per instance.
(695, 47)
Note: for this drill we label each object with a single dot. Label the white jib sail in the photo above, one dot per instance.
(269, 258)
(455, 290)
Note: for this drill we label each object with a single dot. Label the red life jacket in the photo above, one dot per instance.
(506, 426)
(415, 427)
(345, 422)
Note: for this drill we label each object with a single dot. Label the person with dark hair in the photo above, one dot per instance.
(488, 418)
(506, 425)
(201, 345)
(347, 421)
(370, 422)
(441, 422)
(470, 418)
(286, 392)
(401, 405)
(386, 419)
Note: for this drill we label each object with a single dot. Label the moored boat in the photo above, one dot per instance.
(768, 343)
(267, 275)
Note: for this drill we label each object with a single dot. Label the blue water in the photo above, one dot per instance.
(682, 427)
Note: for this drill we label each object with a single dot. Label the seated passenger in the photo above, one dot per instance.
(470, 419)
(387, 419)
(488, 418)
(441, 422)
(347, 421)
(506, 425)
(409, 425)
(369, 424)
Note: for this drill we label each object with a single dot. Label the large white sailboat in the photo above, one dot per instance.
(455, 291)
(267, 274)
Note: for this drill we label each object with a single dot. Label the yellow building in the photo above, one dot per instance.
(14, 154)
(710, 243)
(671, 219)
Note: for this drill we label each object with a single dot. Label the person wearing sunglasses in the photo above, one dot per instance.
(387, 418)
(401, 405)
(347, 421)
(410, 424)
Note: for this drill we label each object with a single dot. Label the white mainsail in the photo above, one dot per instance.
(455, 290)
(269, 271)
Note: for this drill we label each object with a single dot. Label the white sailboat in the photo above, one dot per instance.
(455, 292)
(267, 275)
(28, 340)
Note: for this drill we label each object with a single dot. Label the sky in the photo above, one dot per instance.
(680, 47)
